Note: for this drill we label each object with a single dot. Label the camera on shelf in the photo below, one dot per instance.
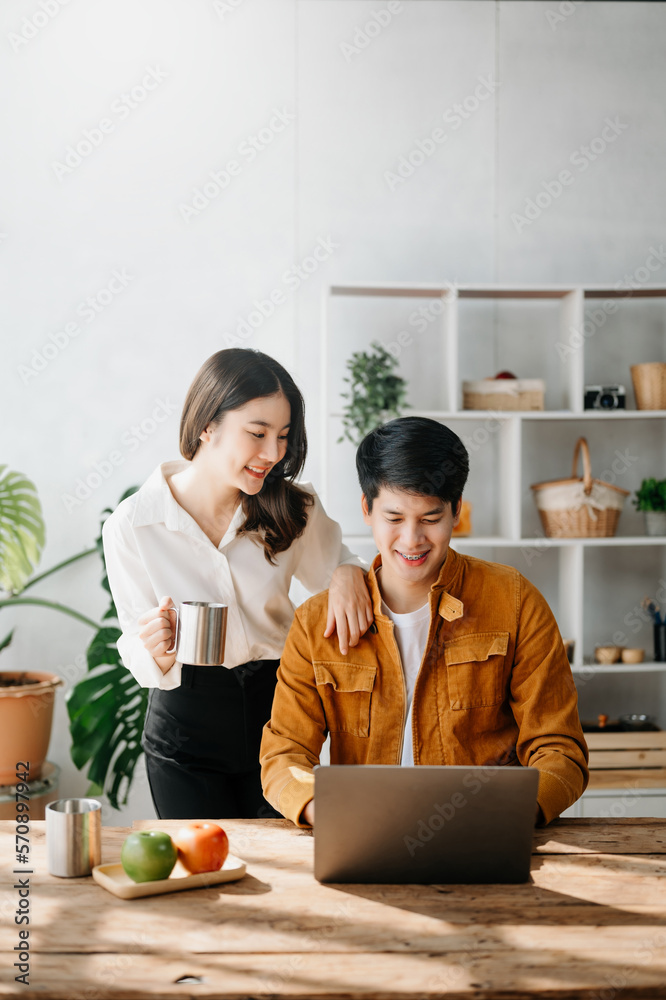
(605, 397)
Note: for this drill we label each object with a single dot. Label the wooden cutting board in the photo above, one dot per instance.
(114, 879)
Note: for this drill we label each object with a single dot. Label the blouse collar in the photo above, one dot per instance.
(156, 504)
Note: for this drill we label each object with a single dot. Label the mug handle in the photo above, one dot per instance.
(176, 630)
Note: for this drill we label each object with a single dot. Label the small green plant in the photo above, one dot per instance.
(651, 495)
(375, 393)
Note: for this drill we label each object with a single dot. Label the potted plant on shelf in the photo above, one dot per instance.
(375, 393)
(651, 498)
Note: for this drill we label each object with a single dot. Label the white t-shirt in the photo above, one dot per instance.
(411, 634)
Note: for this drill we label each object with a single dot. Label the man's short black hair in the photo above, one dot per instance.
(415, 454)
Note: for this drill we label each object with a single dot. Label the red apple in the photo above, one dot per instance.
(202, 846)
(505, 375)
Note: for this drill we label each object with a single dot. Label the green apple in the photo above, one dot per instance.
(148, 855)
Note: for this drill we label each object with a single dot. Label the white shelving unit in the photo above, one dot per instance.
(570, 337)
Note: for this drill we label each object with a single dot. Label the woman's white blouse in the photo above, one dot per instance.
(154, 548)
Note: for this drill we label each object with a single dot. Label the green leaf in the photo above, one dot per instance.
(376, 393)
(22, 532)
(103, 648)
(107, 712)
(124, 768)
(94, 716)
(7, 639)
(80, 696)
(651, 495)
(107, 708)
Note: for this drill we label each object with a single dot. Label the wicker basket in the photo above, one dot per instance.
(504, 394)
(580, 507)
(650, 385)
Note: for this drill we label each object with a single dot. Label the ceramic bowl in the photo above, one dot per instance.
(633, 655)
(607, 654)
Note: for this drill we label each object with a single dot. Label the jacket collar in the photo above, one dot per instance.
(448, 606)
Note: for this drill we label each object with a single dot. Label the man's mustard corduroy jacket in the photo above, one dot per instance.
(494, 688)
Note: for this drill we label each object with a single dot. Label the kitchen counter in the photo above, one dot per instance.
(590, 923)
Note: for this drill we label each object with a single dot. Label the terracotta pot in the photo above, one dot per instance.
(26, 714)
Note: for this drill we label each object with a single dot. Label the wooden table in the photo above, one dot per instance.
(590, 923)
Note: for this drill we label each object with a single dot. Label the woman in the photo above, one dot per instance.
(228, 524)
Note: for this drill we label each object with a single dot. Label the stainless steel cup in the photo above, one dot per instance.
(73, 836)
(201, 630)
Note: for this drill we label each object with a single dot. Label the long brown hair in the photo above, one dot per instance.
(226, 381)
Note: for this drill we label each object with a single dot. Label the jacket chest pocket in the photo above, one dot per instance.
(345, 690)
(475, 669)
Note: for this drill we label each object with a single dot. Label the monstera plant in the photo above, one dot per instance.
(21, 529)
(106, 708)
(22, 536)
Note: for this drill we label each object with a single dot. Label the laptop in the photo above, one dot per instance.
(424, 824)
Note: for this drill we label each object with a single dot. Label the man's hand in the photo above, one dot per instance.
(307, 816)
(349, 606)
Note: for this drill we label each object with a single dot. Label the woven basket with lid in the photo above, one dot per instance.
(579, 507)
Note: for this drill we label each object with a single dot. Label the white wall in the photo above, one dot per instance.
(220, 71)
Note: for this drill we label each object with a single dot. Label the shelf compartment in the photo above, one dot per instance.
(631, 453)
(615, 579)
(620, 330)
(410, 325)
(520, 333)
(612, 617)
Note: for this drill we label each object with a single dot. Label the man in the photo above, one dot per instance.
(464, 663)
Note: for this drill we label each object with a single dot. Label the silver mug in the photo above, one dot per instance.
(73, 836)
(201, 630)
